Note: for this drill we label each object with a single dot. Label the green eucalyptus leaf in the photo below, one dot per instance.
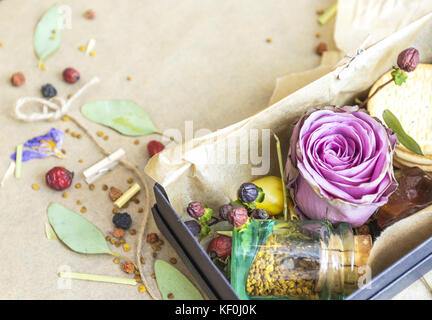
(125, 116)
(76, 232)
(403, 138)
(172, 281)
(48, 33)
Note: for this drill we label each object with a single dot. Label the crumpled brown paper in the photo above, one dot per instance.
(186, 177)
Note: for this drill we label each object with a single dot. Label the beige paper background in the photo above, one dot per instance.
(205, 61)
(186, 177)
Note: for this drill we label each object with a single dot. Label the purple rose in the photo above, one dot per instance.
(339, 165)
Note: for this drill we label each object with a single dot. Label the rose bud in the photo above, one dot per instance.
(224, 210)
(248, 192)
(238, 216)
(195, 209)
(408, 59)
(220, 247)
(259, 214)
(339, 165)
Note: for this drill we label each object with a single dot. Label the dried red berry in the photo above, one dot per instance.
(70, 75)
(408, 59)
(59, 178)
(238, 216)
(220, 247)
(18, 79)
(321, 48)
(154, 147)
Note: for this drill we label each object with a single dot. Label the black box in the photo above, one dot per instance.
(383, 286)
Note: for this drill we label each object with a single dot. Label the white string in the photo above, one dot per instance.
(59, 106)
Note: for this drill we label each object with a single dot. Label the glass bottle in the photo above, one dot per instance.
(297, 260)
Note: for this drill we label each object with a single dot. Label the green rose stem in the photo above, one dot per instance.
(135, 170)
(97, 277)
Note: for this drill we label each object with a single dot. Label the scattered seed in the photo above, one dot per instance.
(90, 14)
(74, 134)
(130, 180)
(118, 232)
(154, 254)
(92, 53)
(35, 186)
(79, 136)
(117, 244)
(269, 40)
(79, 202)
(65, 195)
(67, 130)
(136, 200)
(107, 238)
(155, 247)
(173, 260)
(128, 267)
(99, 133)
(92, 186)
(63, 151)
(1, 44)
(116, 260)
(114, 210)
(136, 142)
(65, 118)
(153, 275)
(126, 247)
(138, 279)
(52, 37)
(140, 210)
(18, 79)
(112, 241)
(129, 78)
(122, 240)
(80, 160)
(321, 48)
(318, 35)
(82, 48)
(161, 242)
(69, 96)
(83, 209)
(142, 288)
(142, 260)
(78, 185)
(132, 232)
(106, 138)
(170, 296)
(104, 187)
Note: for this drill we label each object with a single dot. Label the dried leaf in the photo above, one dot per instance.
(48, 34)
(125, 116)
(403, 138)
(172, 281)
(76, 232)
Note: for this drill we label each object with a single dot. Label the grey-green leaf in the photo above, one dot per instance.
(172, 281)
(48, 33)
(125, 116)
(403, 138)
(76, 232)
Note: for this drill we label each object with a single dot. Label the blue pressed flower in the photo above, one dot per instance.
(43, 146)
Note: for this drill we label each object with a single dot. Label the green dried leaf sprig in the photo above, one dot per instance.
(403, 138)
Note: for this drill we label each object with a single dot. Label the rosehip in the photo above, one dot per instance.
(220, 247)
(18, 79)
(154, 147)
(195, 209)
(59, 178)
(238, 216)
(408, 59)
(70, 75)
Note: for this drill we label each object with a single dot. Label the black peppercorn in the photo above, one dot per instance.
(48, 91)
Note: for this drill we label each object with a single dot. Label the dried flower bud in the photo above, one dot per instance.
(224, 210)
(260, 214)
(238, 216)
(247, 192)
(195, 209)
(408, 59)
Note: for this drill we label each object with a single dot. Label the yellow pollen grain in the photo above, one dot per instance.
(82, 48)
(92, 53)
(65, 118)
(83, 210)
(35, 186)
(65, 195)
(142, 288)
(126, 247)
